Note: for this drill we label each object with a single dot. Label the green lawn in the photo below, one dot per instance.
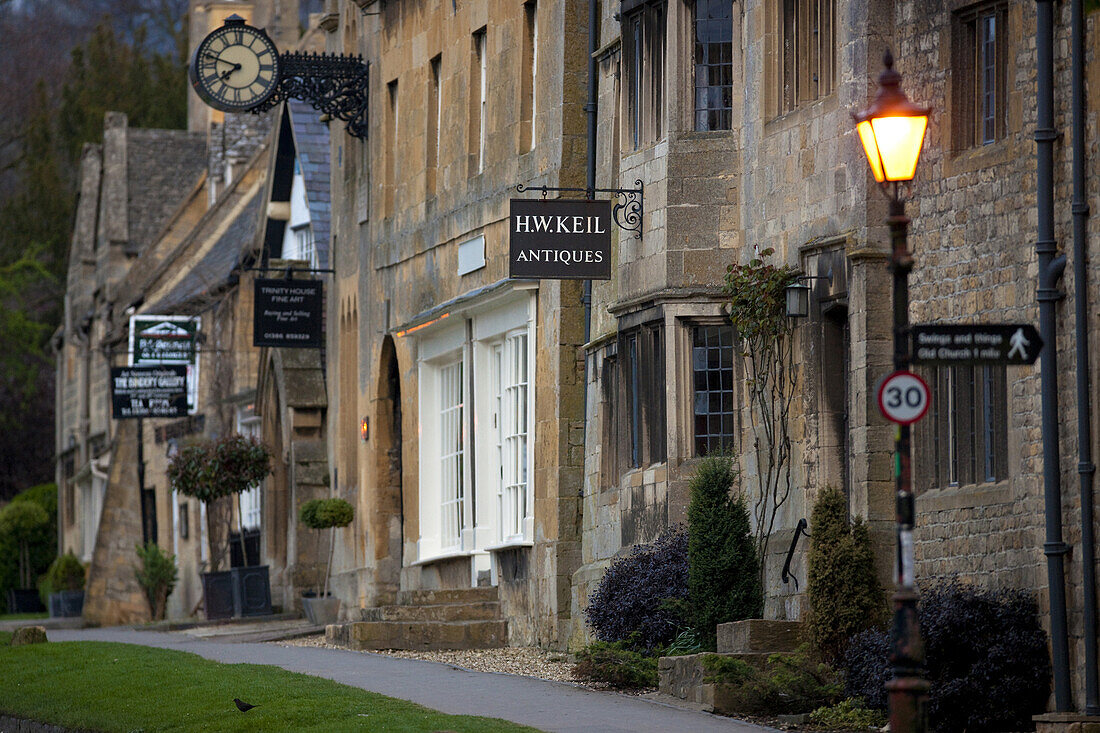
(121, 687)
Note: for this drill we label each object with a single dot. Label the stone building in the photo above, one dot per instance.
(457, 426)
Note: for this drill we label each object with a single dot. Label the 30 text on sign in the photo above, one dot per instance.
(287, 313)
(149, 391)
(560, 239)
(903, 397)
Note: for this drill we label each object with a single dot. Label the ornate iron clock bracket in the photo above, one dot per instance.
(334, 84)
(627, 211)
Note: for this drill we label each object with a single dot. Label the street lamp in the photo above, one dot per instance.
(892, 133)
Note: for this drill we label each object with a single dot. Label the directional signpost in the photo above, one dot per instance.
(974, 343)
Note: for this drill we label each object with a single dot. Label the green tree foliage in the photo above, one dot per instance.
(157, 575)
(112, 70)
(41, 543)
(723, 571)
(214, 469)
(327, 514)
(844, 592)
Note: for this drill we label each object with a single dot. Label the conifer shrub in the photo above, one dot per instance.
(844, 593)
(723, 571)
(157, 575)
(635, 600)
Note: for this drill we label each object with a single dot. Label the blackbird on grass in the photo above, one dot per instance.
(242, 705)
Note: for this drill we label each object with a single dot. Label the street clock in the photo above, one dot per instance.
(236, 67)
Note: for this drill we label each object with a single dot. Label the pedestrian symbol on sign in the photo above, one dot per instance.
(1018, 342)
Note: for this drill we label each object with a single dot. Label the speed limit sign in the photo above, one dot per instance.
(903, 397)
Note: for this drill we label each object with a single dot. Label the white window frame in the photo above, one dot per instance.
(251, 506)
(497, 491)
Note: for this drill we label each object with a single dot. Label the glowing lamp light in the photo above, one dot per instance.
(892, 129)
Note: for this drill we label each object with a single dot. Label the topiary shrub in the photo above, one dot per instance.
(616, 664)
(41, 544)
(326, 514)
(844, 593)
(723, 571)
(66, 573)
(210, 470)
(632, 601)
(986, 657)
(157, 575)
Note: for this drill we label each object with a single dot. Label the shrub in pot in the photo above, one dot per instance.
(62, 587)
(325, 514)
(211, 470)
(157, 575)
(20, 523)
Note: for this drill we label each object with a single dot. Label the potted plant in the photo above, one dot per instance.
(157, 575)
(22, 521)
(325, 514)
(63, 587)
(209, 471)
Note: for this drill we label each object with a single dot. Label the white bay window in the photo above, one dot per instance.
(476, 409)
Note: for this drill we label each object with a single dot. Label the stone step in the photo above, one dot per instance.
(454, 595)
(477, 611)
(419, 635)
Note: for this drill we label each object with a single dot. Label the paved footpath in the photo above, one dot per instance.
(549, 706)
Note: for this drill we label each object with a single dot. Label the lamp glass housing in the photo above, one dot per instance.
(798, 300)
(893, 145)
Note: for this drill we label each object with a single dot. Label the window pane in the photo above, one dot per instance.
(713, 64)
(715, 407)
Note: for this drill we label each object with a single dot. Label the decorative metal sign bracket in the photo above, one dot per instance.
(334, 84)
(627, 211)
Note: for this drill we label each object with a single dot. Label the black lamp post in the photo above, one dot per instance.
(892, 133)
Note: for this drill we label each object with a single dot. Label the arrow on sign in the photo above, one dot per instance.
(974, 343)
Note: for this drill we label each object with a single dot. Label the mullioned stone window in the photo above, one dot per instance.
(980, 74)
(713, 56)
(643, 59)
(964, 438)
(808, 53)
(714, 399)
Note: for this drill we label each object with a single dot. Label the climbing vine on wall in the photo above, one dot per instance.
(756, 306)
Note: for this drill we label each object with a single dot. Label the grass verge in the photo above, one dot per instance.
(22, 616)
(121, 687)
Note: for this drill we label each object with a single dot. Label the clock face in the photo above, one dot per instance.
(235, 68)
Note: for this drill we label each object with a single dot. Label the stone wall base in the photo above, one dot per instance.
(1067, 723)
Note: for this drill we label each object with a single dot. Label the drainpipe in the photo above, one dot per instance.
(590, 108)
(1051, 266)
(1085, 467)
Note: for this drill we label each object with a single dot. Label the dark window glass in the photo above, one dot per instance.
(643, 28)
(713, 64)
(714, 403)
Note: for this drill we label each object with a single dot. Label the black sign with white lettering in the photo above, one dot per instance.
(287, 314)
(562, 239)
(975, 343)
(149, 391)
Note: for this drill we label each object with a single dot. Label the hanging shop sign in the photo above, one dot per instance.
(560, 239)
(164, 340)
(148, 391)
(287, 313)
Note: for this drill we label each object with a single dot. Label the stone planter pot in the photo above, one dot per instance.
(321, 611)
(67, 604)
(24, 600)
(238, 592)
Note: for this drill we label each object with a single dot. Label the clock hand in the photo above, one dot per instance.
(226, 74)
(218, 58)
